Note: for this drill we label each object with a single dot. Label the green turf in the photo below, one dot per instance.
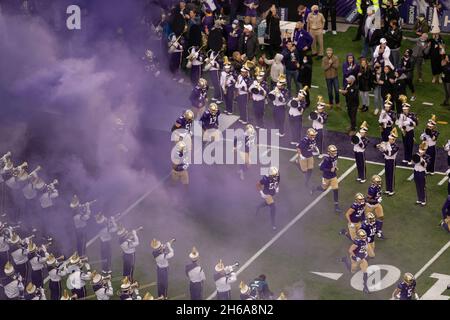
(312, 244)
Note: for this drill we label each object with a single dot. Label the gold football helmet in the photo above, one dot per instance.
(249, 130)
(273, 171)
(359, 198)
(188, 115)
(202, 83)
(408, 278)
(213, 108)
(311, 133)
(376, 179)
(371, 217)
(332, 150)
(361, 233)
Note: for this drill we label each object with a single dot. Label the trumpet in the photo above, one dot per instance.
(34, 172)
(192, 56)
(51, 186)
(210, 61)
(19, 169)
(274, 94)
(232, 268)
(172, 44)
(5, 156)
(382, 146)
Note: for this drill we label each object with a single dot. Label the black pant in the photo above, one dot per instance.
(420, 180)
(431, 151)
(319, 140)
(224, 295)
(352, 111)
(332, 11)
(105, 253)
(55, 290)
(214, 76)
(174, 62)
(279, 115)
(196, 73)
(361, 165)
(229, 97)
(408, 145)
(389, 167)
(128, 265)
(385, 133)
(296, 127)
(4, 258)
(81, 240)
(37, 278)
(258, 109)
(162, 280)
(447, 91)
(81, 293)
(361, 21)
(23, 270)
(196, 290)
(410, 84)
(242, 100)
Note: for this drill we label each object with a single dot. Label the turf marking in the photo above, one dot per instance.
(433, 259)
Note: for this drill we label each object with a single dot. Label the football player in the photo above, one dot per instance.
(358, 256)
(445, 222)
(370, 227)
(268, 186)
(183, 127)
(374, 203)
(406, 290)
(430, 136)
(242, 145)
(355, 216)
(329, 169)
(199, 97)
(210, 123)
(306, 149)
(180, 164)
(360, 143)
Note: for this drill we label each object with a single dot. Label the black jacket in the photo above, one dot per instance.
(250, 47)
(305, 74)
(394, 38)
(273, 29)
(365, 79)
(215, 39)
(352, 96)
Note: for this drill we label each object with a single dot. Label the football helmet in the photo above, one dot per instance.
(359, 198)
(332, 150)
(273, 171)
(188, 115)
(408, 278)
(311, 133)
(249, 130)
(376, 179)
(361, 233)
(202, 83)
(213, 108)
(371, 218)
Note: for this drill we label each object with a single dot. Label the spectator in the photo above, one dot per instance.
(303, 13)
(316, 22)
(407, 64)
(369, 28)
(329, 7)
(248, 44)
(421, 25)
(302, 39)
(250, 12)
(207, 21)
(305, 75)
(349, 68)
(179, 16)
(387, 82)
(419, 51)
(436, 52)
(361, 7)
(237, 62)
(364, 83)
(399, 89)
(352, 99)
(394, 41)
(330, 65)
(390, 13)
(273, 32)
(233, 32)
(382, 53)
(291, 61)
(377, 80)
(277, 68)
(446, 77)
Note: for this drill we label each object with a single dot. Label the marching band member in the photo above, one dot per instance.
(12, 285)
(360, 142)
(162, 254)
(213, 66)
(82, 215)
(355, 216)
(109, 227)
(279, 97)
(196, 276)
(421, 160)
(407, 121)
(180, 164)
(319, 118)
(102, 286)
(242, 85)
(445, 222)
(297, 106)
(258, 91)
(446, 148)
(406, 289)
(306, 148)
(430, 136)
(227, 82)
(128, 242)
(210, 123)
(80, 272)
(370, 227)
(246, 292)
(386, 119)
(129, 291)
(19, 254)
(328, 166)
(268, 186)
(55, 274)
(4, 246)
(34, 293)
(199, 97)
(242, 145)
(195, 62)
(389, 150)
(175, 55)
(374, 203)
(37, 262)
(223, 277)
(358, 256)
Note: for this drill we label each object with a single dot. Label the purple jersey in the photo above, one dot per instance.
(270, 184)
(307, 146)
(361, 249)
(184, 124)
(209, 120)
(327, 164)
(406, 290)
(358, 212)
(371, 230)
(374, 194)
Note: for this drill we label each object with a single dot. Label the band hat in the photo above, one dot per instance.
(244, 288)
(97, 278)
(125, 284)
(8, 269)
(219, 266)
(194, 255)
(156, 244)
(31, 288)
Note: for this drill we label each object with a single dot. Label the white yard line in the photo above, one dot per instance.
(442, 181)
(294, 158)
(433, 259)
(411, 177)
(381, 172)
(428, 103)
(288, 226)
(315, 87)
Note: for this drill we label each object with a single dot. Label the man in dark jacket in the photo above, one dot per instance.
(248, 43)
(179, 16)
(394, 41)
(329, 6)
(291, 61)
(351, 94)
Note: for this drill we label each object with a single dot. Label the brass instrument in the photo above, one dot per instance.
(192, 55)
(274, 94)
(5, 156)
(210, 61)
(382, 146)
(172, 46)
(232, 268)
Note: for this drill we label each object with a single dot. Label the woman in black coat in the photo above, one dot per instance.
(305, 74)
(436, 50)
(273, 33)
(364, 83)
(387, 82)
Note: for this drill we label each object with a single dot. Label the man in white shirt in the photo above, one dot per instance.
(162, 254)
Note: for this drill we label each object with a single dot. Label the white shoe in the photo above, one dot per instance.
(219, 102)
(241, 121)
(358, 179)
(278, 134)
(324, 31)
(404, 161)
(376, 111)
(362, 181)
(282, 135)
(320, 156)
(293, 143)
(413, 98)
(213, 99)
(334, 32)
(181, 80)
